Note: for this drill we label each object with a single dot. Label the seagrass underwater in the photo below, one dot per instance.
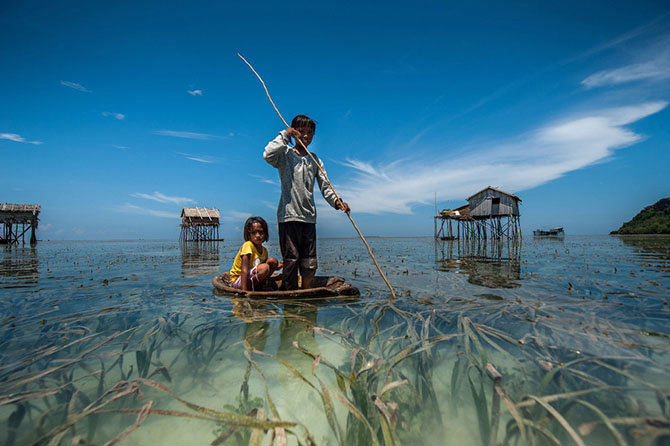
(551, 341)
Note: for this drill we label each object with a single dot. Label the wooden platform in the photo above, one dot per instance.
(16, 220)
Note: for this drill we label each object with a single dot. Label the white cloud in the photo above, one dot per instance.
(119, 116)
(364, 168)
(75, 86)
(131, 208)
(655, 68)
(636, 72)
(533, 159)
(198, 158)
(120, 147)
(18, 138)
(263, 179)
(187, 135)
(194, 92)
(159, 197)
(627, 115)
(240, 215)
(235, 216)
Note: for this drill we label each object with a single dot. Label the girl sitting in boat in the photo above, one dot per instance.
(252, 267)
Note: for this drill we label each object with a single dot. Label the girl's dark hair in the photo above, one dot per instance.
(247, 227)
(303, 121)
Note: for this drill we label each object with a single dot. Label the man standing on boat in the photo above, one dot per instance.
(296, 213)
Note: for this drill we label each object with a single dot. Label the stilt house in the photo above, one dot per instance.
(16, 220)
(491, 202)
(199, 225)
(490, 213)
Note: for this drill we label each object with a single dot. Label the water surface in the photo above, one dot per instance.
(554, 341)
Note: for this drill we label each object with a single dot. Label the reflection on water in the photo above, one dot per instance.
(492, 264)
(542, 343)
(199, 258)
(654, 249)
(19, 267)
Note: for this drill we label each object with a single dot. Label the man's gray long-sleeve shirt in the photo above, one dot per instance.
(297, 174)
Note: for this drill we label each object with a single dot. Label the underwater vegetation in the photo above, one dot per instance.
(164, 361)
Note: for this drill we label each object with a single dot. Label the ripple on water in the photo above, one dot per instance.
(88, 327)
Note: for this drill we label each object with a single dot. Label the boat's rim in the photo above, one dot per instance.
(335, 286)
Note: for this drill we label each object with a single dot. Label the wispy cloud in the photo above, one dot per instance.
(235, 216)
(197, 158)
(263, 179)
(159, 197)
(535, 158)
(116, 146)
(644, 29)
(131, 208)
(18, 138)
(75, 86)
(119, 116)
(652, 70)
(194, 92)
(649, 62)
(364, 167)
(187, 135)
(653, 27)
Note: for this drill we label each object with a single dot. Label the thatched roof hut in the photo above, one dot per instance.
(200, 216)
(18, 213)
(200, 224)
(16, 220)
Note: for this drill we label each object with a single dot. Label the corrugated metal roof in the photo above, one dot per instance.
(495, 189)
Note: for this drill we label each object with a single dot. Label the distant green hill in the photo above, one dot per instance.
(654, 219)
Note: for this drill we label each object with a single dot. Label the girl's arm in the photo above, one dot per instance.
(244, 275)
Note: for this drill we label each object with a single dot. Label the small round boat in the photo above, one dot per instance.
(322, 286)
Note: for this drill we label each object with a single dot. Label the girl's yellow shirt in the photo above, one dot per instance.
(256, 258)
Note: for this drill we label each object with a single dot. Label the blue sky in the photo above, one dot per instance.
(115, 115)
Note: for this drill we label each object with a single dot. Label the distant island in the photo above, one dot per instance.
(654, 219)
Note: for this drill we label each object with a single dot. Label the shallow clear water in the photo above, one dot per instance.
(93, 332)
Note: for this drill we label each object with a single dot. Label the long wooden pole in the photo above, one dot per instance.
(324, 175)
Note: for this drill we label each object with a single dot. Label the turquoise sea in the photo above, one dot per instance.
(553, 341)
